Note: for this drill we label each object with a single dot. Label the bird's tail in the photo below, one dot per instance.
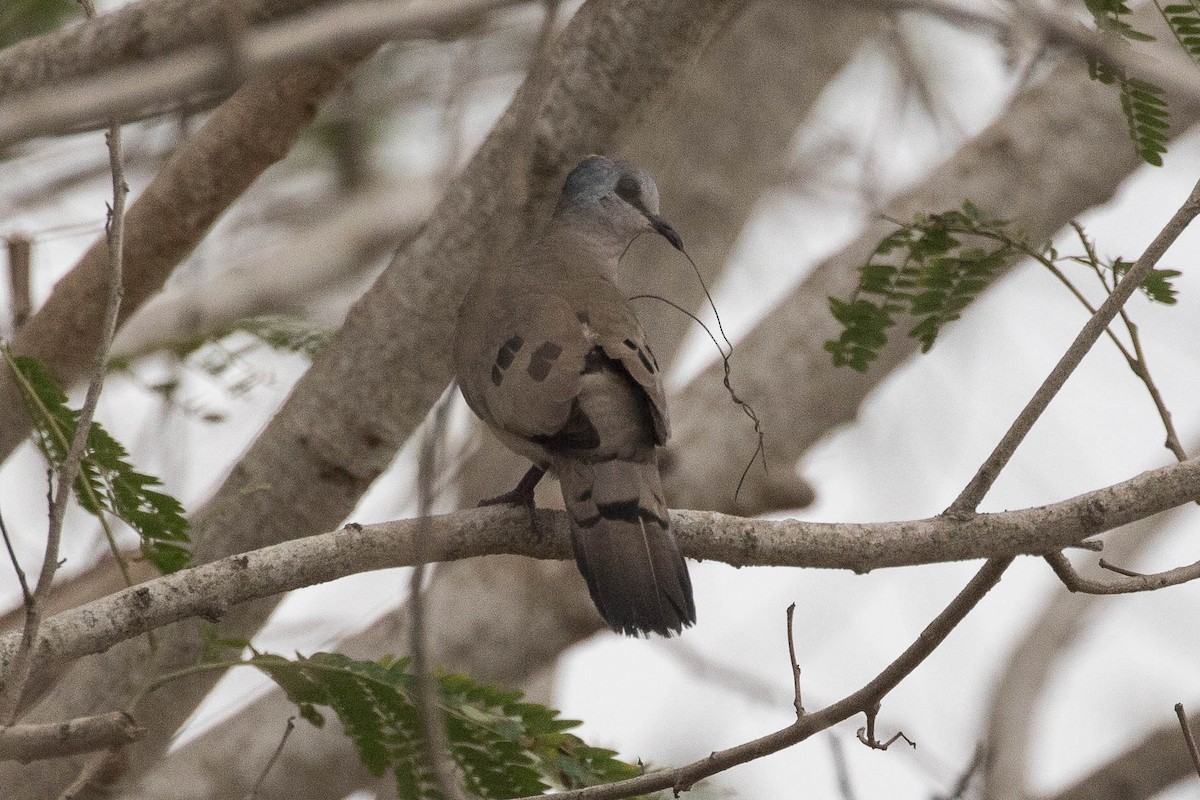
(624, 546)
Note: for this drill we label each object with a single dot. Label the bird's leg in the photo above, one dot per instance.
(523, 494)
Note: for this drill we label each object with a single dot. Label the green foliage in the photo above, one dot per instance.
(1107, 14)
(1144, 103)
(20, 19)
(107, 482)
(924, 270)
(1149, 121)
(502, 747)
(1184, 21)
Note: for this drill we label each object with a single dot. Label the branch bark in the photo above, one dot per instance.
(27, 743)
(132, 33)
(209, 591)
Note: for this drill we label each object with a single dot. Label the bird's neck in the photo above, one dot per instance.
(587, 242)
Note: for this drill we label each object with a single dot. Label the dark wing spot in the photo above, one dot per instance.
(548, 351)
(497, 375)
(577, 433)
(631, 344)
(583, 317)
(645, 362)
(508, 351)
(542, 360)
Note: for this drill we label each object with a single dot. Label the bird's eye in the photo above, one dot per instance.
(629, 191)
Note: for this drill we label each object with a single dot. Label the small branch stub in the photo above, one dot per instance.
(867, 735)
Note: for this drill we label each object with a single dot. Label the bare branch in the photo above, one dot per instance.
(139, 30)
(863, 701)
(13, 687)
(287, 732)
(969, 499)
(1187, 736)
(208, 591)
(1133, 583)
(323, 32)
(27, 743)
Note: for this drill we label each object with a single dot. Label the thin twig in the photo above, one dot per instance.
(12, 555)
(262, 777)
(1187, 736)
(797, 701)
(11, 696)
(860, 702)
(1133, 582)
(966, 503)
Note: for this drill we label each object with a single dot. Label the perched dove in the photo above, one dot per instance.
(551, 356)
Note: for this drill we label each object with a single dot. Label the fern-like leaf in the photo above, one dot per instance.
(1145, 107)
(1184, 21)
(501, 746)
(922, 270)
(107, 481)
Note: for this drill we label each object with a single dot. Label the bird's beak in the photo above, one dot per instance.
(664, 229)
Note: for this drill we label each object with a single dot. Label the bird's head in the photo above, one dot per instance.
(614, 197)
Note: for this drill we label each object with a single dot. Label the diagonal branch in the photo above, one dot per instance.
(969, 499)
(866, 700)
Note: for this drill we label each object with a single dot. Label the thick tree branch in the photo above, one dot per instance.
(27, 743)
(132, 33)
(209, 591)
(323, 32)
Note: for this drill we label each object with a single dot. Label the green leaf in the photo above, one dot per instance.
(107, 481)
(501, 746)
(931, 269)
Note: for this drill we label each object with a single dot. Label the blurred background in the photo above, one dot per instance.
(801, 126)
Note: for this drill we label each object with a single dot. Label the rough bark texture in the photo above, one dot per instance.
(374, 384)
(252, 130)
(131, 34)
(1036, 165)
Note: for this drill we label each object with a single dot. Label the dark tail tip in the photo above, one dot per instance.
(636, 575)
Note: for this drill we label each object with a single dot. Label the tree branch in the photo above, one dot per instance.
(208, 591)
(969, 499)
(323, 32)
(27, 743)
(865, 700)
(134, 32)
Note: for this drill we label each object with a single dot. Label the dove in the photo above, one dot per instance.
(550, 355)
